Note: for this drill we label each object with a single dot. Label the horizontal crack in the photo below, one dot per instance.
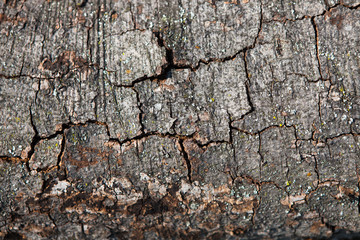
(284, 20)
(149, 134)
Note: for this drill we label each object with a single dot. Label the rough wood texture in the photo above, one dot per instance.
(179, 119)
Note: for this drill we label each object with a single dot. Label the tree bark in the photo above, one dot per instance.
(179, 119)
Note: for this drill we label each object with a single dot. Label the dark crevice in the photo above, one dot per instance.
(83, 231)
(250, 179)
(12, 159)
(35, 140)
(316, 31)
(37, 91)
(173, 125)
(88, 43)
(255, 209)
(352, 7)
(133, 16)
(340, 135)
(230, 129)
(24, 75)
(62, 151)
(262, 159)
(284, 20)
(141, 114)
(165, 69)
(319, 109)
(316, 170)
(258, 132)
(211, 143)
(247, 88)
(52, 219)
(329, 226)
(82, 4)
(149, 134)
(45, 185)
(358, 186)
(186, 158)
(272, 183)
(70, 124)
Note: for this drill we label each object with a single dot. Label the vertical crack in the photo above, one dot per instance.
(141, 114)
(169, 56)
(328, 225)
(186, 158)
(316, 170)
(247, 87)
(316, 31)
(88, 44)
(133, 16)
(261, 157)
(35, 140)
(230, 128)
(173, 125)
(319, 109)
(52, 219)
(62, 151)
(358, 185)
(260, 25)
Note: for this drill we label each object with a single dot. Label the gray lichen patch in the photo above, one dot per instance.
(16, 130)
(337, 159)
(339, 109)
(155, 157)
(292, 10)
(341, 206)
(16, 62)
(80, 96)
(44, 30)
(280, 53)
(339, 61)
(46, 153)
(133, 55)
(71, 98)
(86, 152)
(202, 29)
(280, 68)
(347, 3)
(282, 164)
(215, 164)
(270, 201)
(203, 101)
(158, 98)
(215, 31)
(339, 49)
(343, 163)
(221, 96)
(17, 185)
(307, 222)
(118, 107)
(246, 154)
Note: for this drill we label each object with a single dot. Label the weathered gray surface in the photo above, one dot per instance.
(179, 119)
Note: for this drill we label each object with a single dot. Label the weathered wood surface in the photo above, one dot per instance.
(179, 119)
